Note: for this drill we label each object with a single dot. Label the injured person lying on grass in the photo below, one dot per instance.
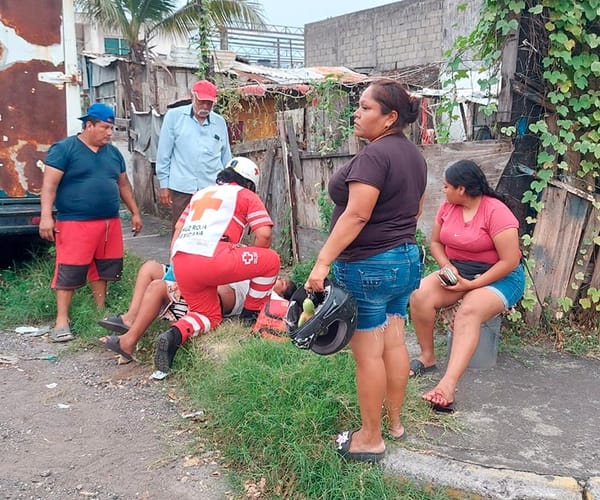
(156, 295)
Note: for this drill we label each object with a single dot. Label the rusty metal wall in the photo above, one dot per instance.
(32, 113)
(259, 119)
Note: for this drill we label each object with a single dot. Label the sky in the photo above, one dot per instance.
(299, 13)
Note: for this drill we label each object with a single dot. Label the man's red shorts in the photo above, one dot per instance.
(92, 248)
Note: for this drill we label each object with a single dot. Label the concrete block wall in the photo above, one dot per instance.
(394, 36)
(458, 20)
(389, 37)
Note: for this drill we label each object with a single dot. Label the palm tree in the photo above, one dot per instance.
(140, 21)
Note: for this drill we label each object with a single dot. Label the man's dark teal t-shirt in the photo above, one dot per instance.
(89, 187)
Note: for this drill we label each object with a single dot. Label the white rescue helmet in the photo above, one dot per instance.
(246, 168)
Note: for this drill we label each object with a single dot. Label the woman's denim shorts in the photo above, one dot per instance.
(510, 288)
(381, 284)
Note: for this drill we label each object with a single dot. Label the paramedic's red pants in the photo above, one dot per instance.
(199, 276)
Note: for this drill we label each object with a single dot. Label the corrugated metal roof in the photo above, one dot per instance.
(227, 63)
(257, 80)
(265, 74)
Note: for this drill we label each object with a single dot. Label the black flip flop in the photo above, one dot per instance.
(418, 368)
(114, 324)
(343, 441)
(113, 344)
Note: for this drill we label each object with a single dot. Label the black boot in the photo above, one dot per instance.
(166, 346)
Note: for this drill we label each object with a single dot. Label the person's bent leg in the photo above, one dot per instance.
(477, 307)
(232, 263)
(155, 297)
(424, 304)
(262, 274)
(149, 271)
(367, 349)
(395, 358)
(197, 278)
(191, 325)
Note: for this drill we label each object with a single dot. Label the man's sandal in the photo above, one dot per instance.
(61, 334)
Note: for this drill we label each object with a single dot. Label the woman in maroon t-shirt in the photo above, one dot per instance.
(378, 197)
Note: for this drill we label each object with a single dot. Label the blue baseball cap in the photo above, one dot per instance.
(100, 112)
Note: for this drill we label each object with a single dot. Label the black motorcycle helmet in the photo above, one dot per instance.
(332, 325)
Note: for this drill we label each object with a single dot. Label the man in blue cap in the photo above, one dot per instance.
(85, 178)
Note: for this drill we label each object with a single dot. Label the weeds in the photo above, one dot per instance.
(301, 271)
(27, 299)
(275, 410)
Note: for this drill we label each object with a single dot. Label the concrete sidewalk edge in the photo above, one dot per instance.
(592, 489)
(487, 482)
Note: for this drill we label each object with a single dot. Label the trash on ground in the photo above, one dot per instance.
(197, 415)
(43, 357)
(52, 385)
(158, 375)
(11, 359)
(32, 331)
(63, 406)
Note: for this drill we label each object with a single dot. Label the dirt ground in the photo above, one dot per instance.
(84, 427)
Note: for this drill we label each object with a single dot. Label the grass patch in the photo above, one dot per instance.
(275, 409)
(27, 299)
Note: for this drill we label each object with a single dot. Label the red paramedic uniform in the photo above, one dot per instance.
(207, 253)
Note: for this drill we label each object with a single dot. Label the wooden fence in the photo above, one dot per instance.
(293, 178)
(565, 256)
(292, 182)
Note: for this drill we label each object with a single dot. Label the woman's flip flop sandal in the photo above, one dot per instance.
(418, 368)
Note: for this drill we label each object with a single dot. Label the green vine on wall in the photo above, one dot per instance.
(566, 35)
(202, 46)
(229, 103)
(326, 207)
(571, 70)
(332, 100)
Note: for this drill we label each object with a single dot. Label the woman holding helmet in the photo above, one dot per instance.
(378, 197)
(206, 253)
